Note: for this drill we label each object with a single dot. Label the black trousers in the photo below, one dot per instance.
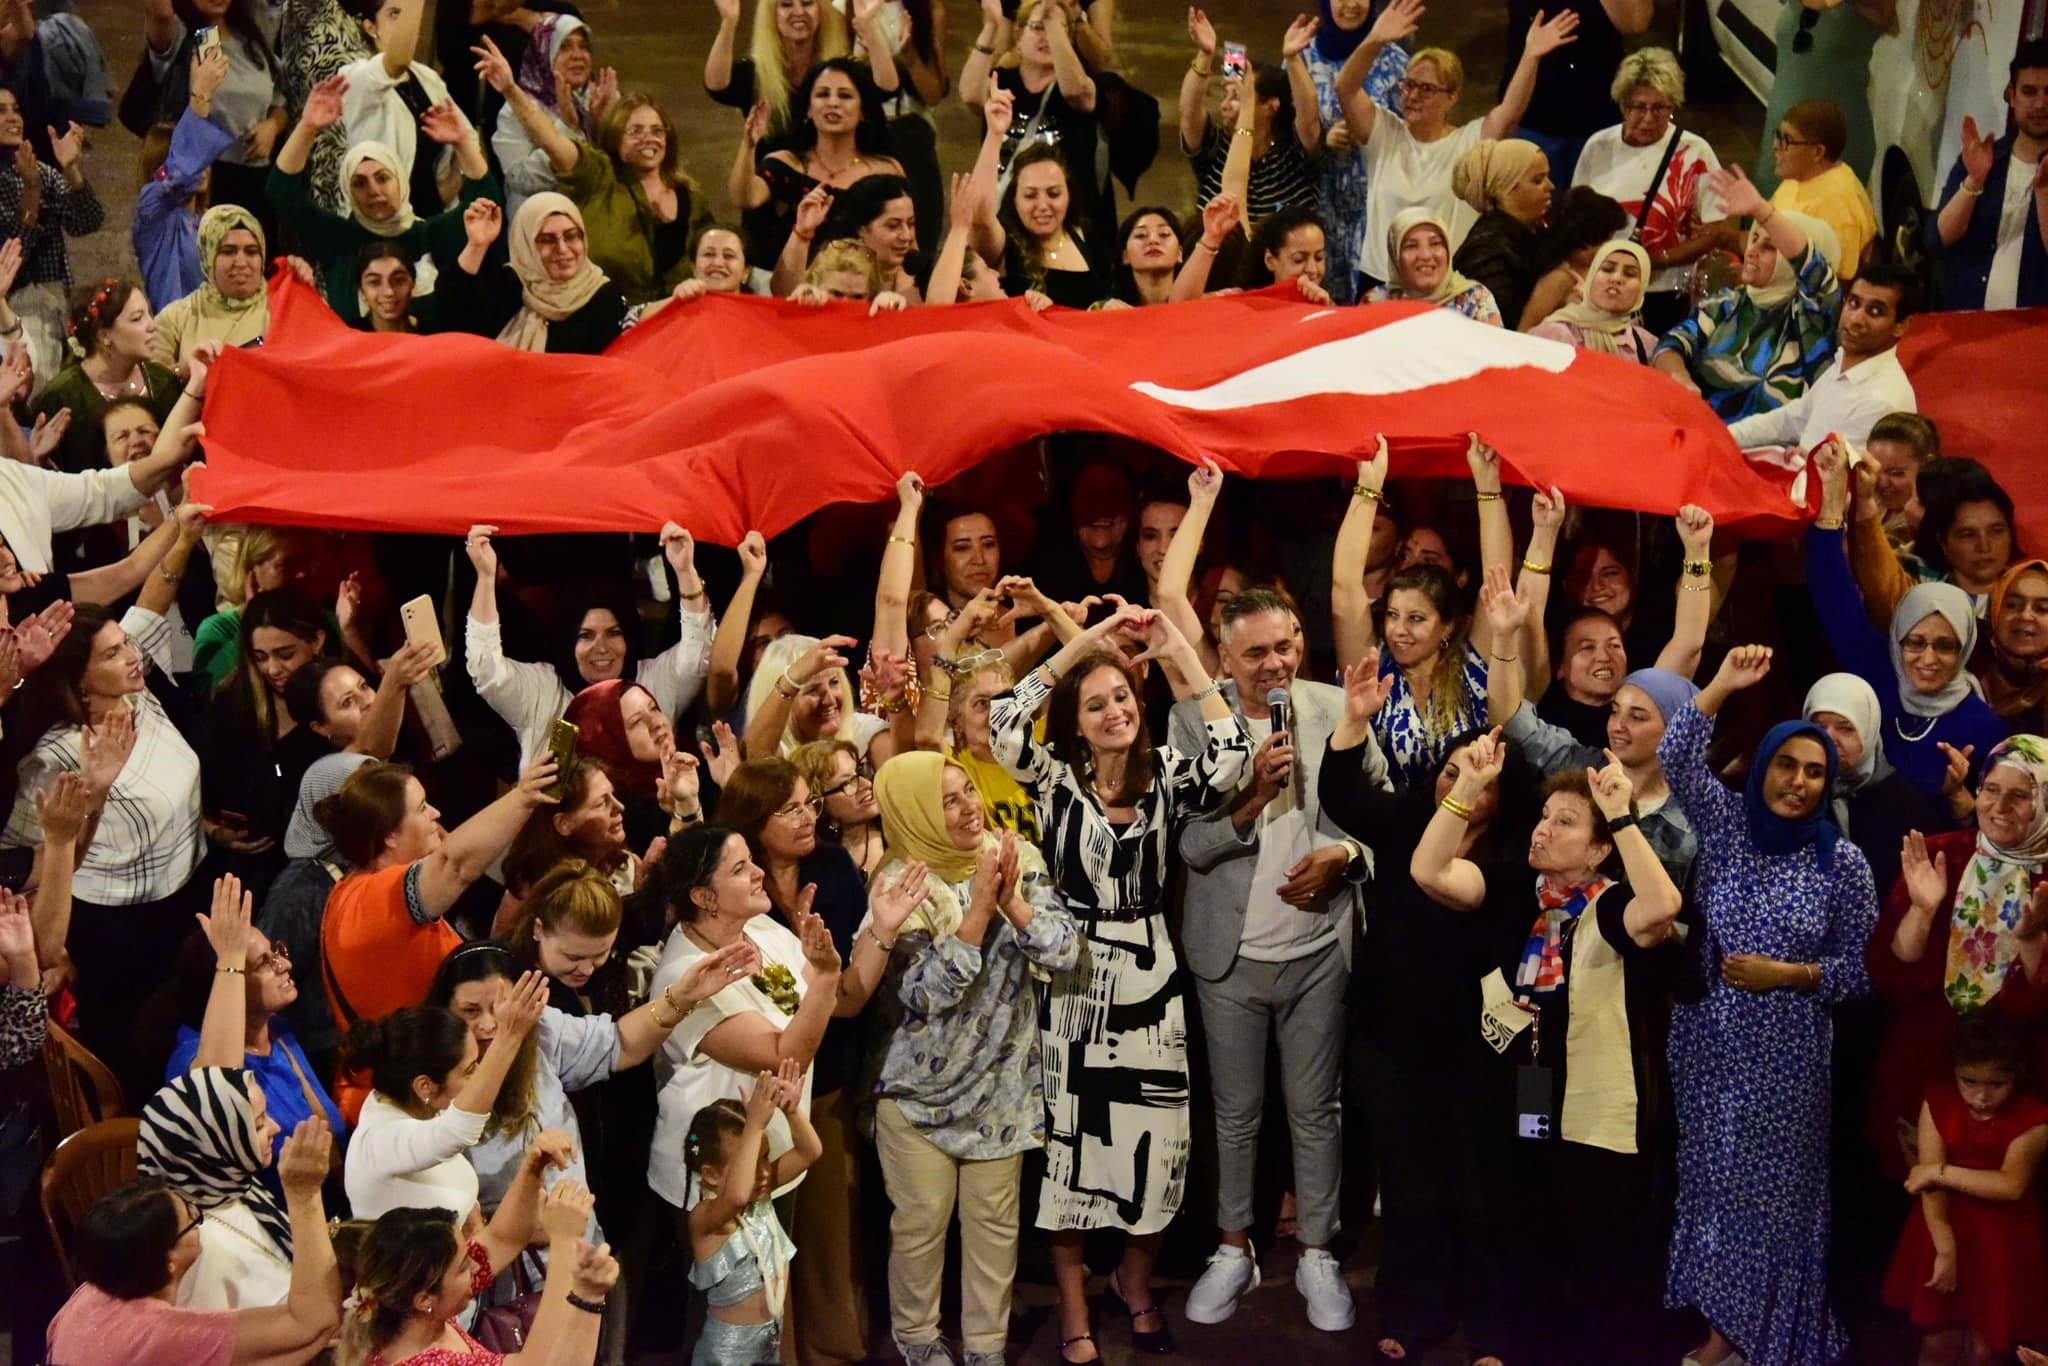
(124, 955)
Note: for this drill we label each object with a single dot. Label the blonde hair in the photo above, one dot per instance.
(1656, 67)
(1010, 56)
(845, 254)
(1447, 66)
(775, 660)
(816, 760)
(572, 895)
(772, 82)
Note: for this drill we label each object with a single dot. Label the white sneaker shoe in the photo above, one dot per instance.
(1230, 1274)
(1321, 1282)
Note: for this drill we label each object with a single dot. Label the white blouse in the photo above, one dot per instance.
(238, 1266)
(398, 1162)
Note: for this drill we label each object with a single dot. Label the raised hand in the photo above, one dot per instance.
(603, 93)
(444, 124)
(965, 206)
(39, 635)
(998, 110)
(757, 123)
(1299, 35)
(303, 1163)
(104, 748)
(492, 67)
(681, 782)
(811, 211)
(17, 932)
(1739, 197)
(10, 259)
(227, 929)
(891, 902)
(477, 545)
(1205, 481)
(1612, 791)
(789, 1085)
(1979, 155)
(728, 11)
(1397, 21)
(535, 780)
(1695, 531)
(1372, 474)
(482, 221)
(821, 955)
(1484, 462)
(761, 1100)
(1219, 216)
(1483, 762)
(518, 1008)
(712, 973)
(679, 548)
(62, 808)
(323, 103)
(1547, 510)
(1744, 667)
(721, 753)
(348, 600)
(1507, 610)
(1958, 770)
(1365, 692)
(910, 490)
(753, 553)
(820, 657)
(1926, 878)
(1203, 33)
(565, 1212)
(1547, 36)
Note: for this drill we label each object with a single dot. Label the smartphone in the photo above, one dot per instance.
(422, 624)
(206, 41)
(562, 744)
(1236, 62)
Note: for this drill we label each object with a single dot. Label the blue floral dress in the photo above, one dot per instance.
(1344, 173)
(1750, 1070)
(1415, 749)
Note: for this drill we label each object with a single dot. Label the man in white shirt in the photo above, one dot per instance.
(1266, 931)
(1863, 383)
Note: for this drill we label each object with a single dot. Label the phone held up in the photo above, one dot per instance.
(1237, 63)
(562, 744)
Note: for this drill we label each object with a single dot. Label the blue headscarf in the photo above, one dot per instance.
(1774, 834)
(1337, 44)
(1668, 690)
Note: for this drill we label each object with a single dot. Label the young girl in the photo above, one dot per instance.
(1971, 1264)
(742, 1253)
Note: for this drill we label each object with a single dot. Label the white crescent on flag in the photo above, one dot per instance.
(1437, 347)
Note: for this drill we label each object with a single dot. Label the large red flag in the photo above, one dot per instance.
(1983, 379)
(731, 414)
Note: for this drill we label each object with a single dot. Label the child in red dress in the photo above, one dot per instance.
(1970, 1268)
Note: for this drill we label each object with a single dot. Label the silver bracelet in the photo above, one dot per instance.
(1212, 689)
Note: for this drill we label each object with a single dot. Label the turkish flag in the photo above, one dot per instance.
(1983, 380)
(730, 413)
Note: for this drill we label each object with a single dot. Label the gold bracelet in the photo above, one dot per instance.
(1195, 65)
(242, 972)
(167, 576)
(901, 540)
(1827, 524)
(1372, 495)
(1485, 497)
(1531, 567)
(1699, 569)
(1456, 808)
(1696, 588)
(937, 696)
(1505, 659)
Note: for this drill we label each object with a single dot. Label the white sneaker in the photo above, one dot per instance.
(1231, 1272)
(1321, 1282)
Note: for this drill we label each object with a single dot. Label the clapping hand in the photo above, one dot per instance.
(789, 1086)
(1979, 154)
(62, 808)
(1506, 606)
(1926, 878)
(1365, 691)
(893, 899)
(1202, 32)
(821, 955)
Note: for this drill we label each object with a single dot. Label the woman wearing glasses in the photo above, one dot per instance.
(1823, 53)
(1408, 159)
(1685, 222)
(231, 987)
(769, 803)
(842, 787)
(1814, 178)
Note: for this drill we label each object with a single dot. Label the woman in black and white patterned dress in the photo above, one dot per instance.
(1113, 1030)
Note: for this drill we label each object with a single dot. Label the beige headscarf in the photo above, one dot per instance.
(910, 790)
(547, 301)
(382, 154)
(1408, 220)
(1784, 282)
(1491, 169)
(1597, 328)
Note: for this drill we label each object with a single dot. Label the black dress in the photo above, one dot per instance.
(1067, 288)
(1500, 253)
(484, 303)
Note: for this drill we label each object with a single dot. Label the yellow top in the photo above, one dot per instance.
(1837, 198)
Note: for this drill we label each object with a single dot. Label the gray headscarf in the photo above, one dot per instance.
(1953, 605)
(304, 837)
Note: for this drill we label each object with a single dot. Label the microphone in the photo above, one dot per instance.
(1278, 703)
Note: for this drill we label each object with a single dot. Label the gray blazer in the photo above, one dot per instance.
(1221, 862)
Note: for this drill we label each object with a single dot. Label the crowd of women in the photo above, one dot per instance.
(778, 924)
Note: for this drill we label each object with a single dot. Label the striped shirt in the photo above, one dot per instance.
(149, 840)
(1750, 360)
(1285, 177)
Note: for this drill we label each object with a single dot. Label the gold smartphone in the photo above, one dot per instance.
(423, 624)
(562, 744)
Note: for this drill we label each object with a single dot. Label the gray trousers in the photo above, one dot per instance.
(1303, 1002)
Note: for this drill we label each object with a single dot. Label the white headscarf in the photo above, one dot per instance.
(382, 154)
(1952, 605)
(1784, 280)
(1855, 701)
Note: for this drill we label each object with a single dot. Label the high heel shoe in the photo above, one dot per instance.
(1088, 1338)
(1158, 1342)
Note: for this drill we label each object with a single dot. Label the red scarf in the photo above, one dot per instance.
(601, 735)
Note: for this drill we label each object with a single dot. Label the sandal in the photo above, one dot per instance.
(1088, 1338)
(1157, 1342)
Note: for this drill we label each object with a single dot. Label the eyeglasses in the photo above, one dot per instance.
(1802, 41)
(968, 665)
(1647, 109)
(280, 952)
(198, 1217)
(1424, 88)
(796, 813)
(1782, 140)
(862, 773)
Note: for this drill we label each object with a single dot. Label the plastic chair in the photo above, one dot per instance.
(83, 1090)
(86, 1165)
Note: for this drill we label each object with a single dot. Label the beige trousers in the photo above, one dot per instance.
(924, 1184)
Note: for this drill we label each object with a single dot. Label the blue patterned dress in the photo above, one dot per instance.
(1750, 1069)
(1415, 749)
(1344, 173)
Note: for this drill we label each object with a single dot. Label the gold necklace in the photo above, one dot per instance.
(256, 1243)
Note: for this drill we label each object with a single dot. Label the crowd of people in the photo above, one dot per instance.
(775, 924)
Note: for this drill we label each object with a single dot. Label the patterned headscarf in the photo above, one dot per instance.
(536, 75)
(214, 226)
(1596, 326)
(382, 154)
(1952, 605)
(1996, 887)
(199, 1135)
(546, 300)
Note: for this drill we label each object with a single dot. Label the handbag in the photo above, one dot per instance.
(504, 1328)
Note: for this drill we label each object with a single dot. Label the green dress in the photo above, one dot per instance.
(1835, 66)
(84, 446)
